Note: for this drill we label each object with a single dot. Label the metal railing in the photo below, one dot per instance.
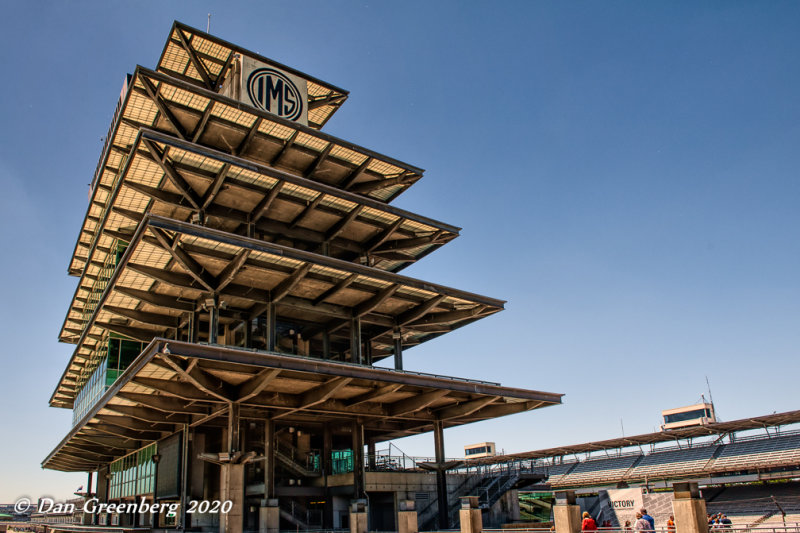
(305, 461)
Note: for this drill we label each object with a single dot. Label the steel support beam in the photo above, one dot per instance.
(441, 476)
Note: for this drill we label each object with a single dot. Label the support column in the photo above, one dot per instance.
(184, 516)
(212, 304)
(269, 459)
(566, 513)
(232, 489)
(327, 469)
(358, 459)
(441, 476)
(397, 337)
(368, 352)
(248, 333)
(469, 516)
(270, 331)
(326, 345)
(371, 454)
(269, 516)
(689, 509)
(234, 442)
(87, 518)
(355, 340)
(358, 516)
(192, 327)
(407, 517)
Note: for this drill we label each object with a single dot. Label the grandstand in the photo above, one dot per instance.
(673, 463)
(599, 471)
(760, 453)
(752, 505)
(714, 453)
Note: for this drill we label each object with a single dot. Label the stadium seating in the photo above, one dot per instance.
(673, 463)
(596, 471)
(761, 453)
(556, 472)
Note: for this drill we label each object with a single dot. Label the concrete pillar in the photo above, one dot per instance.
(358, 516)
(271, 328)
(441, 476)
(355, 340)
(326, 345)
(407, 517)
(193, 326)
(566, 513)
(269, 516)
(232, 489)
(326, 466)
(397, 337)
(212, 304)
(358, 459)
(269, 459)
(87, 519)
(184, 517)
(248, 333)
(234, 440)
(368, 352)
(371, 459)
(689, 509)
(469, 515)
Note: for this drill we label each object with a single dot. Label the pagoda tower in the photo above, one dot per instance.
(238, 277)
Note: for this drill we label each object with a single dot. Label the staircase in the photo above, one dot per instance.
(292, 459)
(764, 518)
(489, 487)
(297, 515)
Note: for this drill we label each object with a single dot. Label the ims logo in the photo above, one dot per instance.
(272, 91)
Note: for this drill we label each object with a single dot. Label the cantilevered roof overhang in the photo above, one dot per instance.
(173, 383)
(205, 60)
(672, 435)
(170, 267)
(191, 113)
(173, 178)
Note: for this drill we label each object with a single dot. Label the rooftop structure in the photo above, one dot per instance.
(238, 277)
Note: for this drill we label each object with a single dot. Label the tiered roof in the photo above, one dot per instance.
(198, 194)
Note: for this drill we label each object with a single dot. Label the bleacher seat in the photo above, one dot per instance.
(556, 472)
(597, 471)
(673, 463)
(761, 453)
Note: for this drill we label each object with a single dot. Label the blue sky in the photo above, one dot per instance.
(625, 174)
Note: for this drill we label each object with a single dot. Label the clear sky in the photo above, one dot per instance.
(626, 174)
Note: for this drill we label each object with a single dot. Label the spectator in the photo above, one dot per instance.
(671, 524)
(627, 525)
(648, 518)
(641, 524)
(588, 523)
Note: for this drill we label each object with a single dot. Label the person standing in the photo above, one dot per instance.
(671, 524)
(641, 524)
(588, 523)
(649, 518)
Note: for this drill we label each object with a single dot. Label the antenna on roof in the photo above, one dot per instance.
(710, 398)
(208, 24)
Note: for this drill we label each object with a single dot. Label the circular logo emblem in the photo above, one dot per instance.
(272, 91)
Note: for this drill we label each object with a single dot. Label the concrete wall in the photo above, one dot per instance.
(505, 510)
